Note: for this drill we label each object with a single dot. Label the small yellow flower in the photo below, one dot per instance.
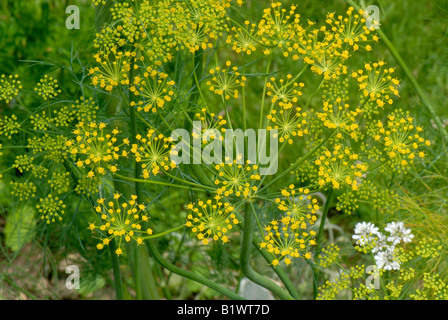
(122, 220)
(211, 220)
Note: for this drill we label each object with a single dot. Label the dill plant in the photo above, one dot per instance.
(161, 65)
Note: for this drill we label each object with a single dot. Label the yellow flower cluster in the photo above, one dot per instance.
(290, 122)
(123, 220)
(243, 39)
(328, 256)
(299, 206)
(23, 163)
(9, 87)
(235, 178)
(279, 27)
(401, 140)
(285, 92)
(9, 126)
(153, 152)
(51, 208)
(338, 115)
(377, 83)
(226, 81)
(157, 29)
(211, 220)
(96, 148)
(113, 70)
(288, 238)
(339, 168)
(330, 290)
(212, 126)
(351, 29)
(47, 88)
(23, 190)
(155, 88)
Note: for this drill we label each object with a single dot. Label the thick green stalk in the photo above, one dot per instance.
(161, 183)
(112, 246)
(194, 96)
(145, 282)
(116, 269)
(251, 274)
(133, 124)
(283, 276)
(190, 275)
(281, 273)
(260, 125)
(320, 234)
(151, 247)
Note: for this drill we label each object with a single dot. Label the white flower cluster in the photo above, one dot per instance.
(384, 246)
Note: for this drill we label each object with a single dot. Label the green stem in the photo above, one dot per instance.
(243, 96)
(323, 219)
(161, 234)
(160, 183)
(251, 274)
(133, 124)
(190, 275)
(264, 91)
(116, 269)
(188, 182)
(320, 234)
(277, 269)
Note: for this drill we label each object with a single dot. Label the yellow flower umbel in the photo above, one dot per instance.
(154, 88)
(85, 110)
(47, 88)
(96, 148)
(211, 220)
(285, 92)
(23, 190)
(320, 50)
(201, 22)
(300, 206)
(287, 239)
(9, 87)
(23, 163)
(289, 121)
(113, 70)
(328, 255)
(51, 208)
(278, 27)
(237, 179)
(153, 152)
(351, 29)
(225, 82)
(337, 115)
(212, 126)
(340, 168)
(9, 126)
(243, 40)
(123, 221)
(377, 83)
(41, 121)
(401, 139)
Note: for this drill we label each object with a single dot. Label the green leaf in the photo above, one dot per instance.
(19, 228)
